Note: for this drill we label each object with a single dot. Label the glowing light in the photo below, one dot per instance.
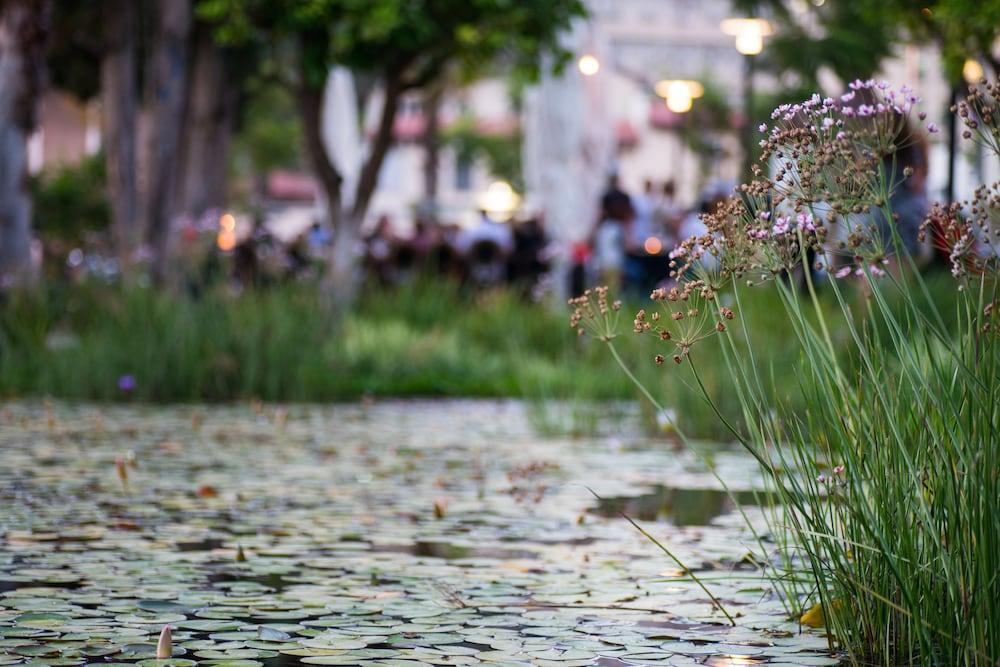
(662, 88)
(679, 93)
(227, 222)
(972, 71)
(652, 246)
(226, 240)
(499, 201)
(589, 65)
(749, 34)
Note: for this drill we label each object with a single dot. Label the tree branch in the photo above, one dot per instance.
(380, 147)
(310, 103)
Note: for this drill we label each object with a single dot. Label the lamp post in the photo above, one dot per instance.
(749, 34)
(679, 93)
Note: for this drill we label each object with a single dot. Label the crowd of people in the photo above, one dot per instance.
(627, 248)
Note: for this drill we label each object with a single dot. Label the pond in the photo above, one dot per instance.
(400, 534)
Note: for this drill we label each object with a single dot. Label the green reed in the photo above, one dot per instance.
(889, 475)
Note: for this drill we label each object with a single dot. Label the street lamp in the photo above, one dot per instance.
(588, 64)
(679, 93)
(749, 34)
(499, 201)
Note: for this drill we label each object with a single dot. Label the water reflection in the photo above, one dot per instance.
(682, 507)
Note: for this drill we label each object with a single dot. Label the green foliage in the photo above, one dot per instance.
(412, 40)
(71, 201)
(270, 135)
(711, 111)
(429, 340)
(502, 153)
(853, 38)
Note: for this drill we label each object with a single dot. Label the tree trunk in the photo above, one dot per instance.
(24, 26)
(380, 146)
(310, 101)
(211, 117)
(432, 149)
(167, 75)
(119, 82)
(343, 279)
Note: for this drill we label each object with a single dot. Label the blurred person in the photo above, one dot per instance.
(426, 235)
(692, 224)
(528, 262)
(640, 267)
(615, 202)
(580, 256)
(610, 236)
(320, 238)
(380, 244)
(643, 207)
(909, 196)
(668, 215)
(487, 229)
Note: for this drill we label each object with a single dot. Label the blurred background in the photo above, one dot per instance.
(325, 199)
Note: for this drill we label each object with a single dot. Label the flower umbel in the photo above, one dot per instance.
(594, 315)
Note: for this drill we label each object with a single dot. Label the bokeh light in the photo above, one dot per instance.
(589, 65)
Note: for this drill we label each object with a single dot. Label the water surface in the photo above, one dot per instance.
(401, 534)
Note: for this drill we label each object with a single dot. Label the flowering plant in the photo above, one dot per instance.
(882, 477)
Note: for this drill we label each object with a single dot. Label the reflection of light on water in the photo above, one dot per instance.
(673, 573)
(731, 660)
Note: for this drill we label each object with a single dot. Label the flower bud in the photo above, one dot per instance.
(164, 647)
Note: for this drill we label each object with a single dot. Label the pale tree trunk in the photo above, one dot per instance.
(24, 28)
(432, 148)
(211, 117)
(119, 91)
(343, 278)
(381, 143)
(341, 272)
(167, 78)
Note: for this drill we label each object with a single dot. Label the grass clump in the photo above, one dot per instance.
(882, 438)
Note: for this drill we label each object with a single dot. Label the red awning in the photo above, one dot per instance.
(661, 117)
(291, 186)
(626, 134)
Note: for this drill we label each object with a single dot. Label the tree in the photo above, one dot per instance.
(853, 38)
(403, 44)
(166, 80)
(24, 29)
(119, 88)
(214, 92)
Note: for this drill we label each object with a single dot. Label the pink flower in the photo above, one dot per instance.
(805, 221)
(933, 128)
(762, 127)
(842, 272)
